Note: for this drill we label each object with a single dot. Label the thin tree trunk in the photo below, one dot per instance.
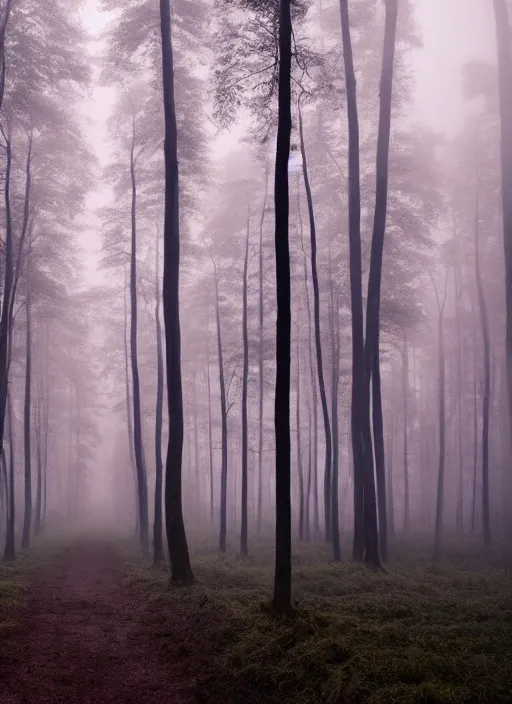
(158, 541)
(356, 295)
(137, 423)
(442, 428)
(299, 445)
(405, 392)
(283, 561)
(245, 381)
(335, 354)
(39, 456)
(181, 569)
(260, 360)
(27, 518)
(486, 516)
(318, 338)
(475, 429)
(313, 377)
(372, 360)
(10, 547)
(460, 499)
(129, 411)
(6, 316)
(503, 38)
(224, 424)
(210, 441)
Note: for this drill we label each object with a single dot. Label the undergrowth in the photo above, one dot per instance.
(14, 589)
(421, 633)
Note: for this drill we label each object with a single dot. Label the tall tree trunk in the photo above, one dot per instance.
(405, 392)
(245, 382)
(181, 569)
(283, 561)
(442, 428)
(460, 498)
(318, 337)
(27, 517)
(335, 378)
(137, 422)
(475, 429)
(380, 455)
(391, 506)
(356, 295)
(486, 516)
(6, 315)
(39, 455)
(129, 411)
(158, 541)
(10, 547)
(307, 519)
(4, 21)
(260, 359)
(313, 378)
(300, 469)
(372, 361)
(224, 423)
(210, 441)
(503, 37)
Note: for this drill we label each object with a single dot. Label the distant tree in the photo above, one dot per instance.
(504, 46)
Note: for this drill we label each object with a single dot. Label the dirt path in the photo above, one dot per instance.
(83, 641)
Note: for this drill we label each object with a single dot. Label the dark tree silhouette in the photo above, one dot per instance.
(181, 570)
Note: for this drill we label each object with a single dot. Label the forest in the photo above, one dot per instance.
(256, 351)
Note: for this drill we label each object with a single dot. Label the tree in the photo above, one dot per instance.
(283, 566)
(505, 79)
(484, 320)
(176, 536)
(245, 381)
(158, 547)
(372, 361)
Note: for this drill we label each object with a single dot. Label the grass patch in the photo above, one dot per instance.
(435, 635)
(14, 580)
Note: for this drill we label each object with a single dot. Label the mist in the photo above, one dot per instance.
(255, 351)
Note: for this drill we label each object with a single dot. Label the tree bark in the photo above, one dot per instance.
(484, 321)
(158, 541)
(335, 378)
(405, 392)
(318, 337)
(142, 489)
(283, 561)
(442, 429)
(260, 360)
(300, 471)
(224, 423)
(503, 38)
(356, 295)
(245, 381)
(129, 410)
(210, 440)
(181, 569)
(372, 360)
(10, 547)
(27, 517)
(314, 396)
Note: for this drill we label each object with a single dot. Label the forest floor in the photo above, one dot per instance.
(70, 633)
(91, 622)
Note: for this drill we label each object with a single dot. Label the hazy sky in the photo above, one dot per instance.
(454, 31)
